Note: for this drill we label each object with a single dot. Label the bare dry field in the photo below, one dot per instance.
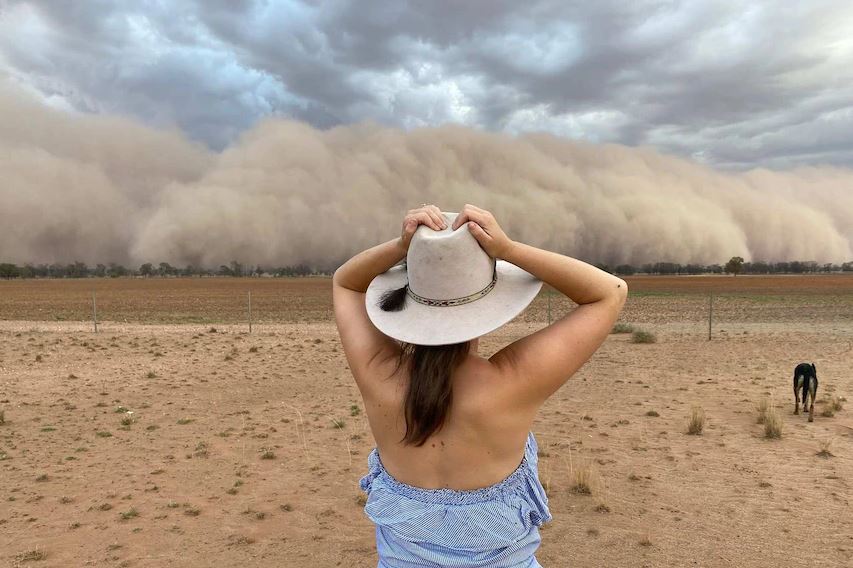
(175, 438)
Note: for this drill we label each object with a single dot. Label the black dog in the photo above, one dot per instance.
(805, 377)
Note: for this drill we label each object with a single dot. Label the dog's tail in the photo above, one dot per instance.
(814, 370)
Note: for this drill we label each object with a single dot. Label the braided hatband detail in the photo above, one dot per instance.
(455, 301)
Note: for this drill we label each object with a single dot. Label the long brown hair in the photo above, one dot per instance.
(429, 394)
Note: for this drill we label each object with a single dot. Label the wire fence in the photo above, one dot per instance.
(255, 302)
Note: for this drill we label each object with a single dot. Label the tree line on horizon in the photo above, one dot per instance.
(736, 265)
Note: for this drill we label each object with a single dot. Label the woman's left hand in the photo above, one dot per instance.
(428, 215)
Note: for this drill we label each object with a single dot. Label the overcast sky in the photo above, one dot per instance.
(734, 84)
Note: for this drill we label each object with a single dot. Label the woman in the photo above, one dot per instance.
(457, 482)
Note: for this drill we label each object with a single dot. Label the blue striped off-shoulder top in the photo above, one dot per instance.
(496, 526)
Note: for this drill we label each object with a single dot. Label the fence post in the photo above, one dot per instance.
(250, 311)
(710, 313)
(95, 312)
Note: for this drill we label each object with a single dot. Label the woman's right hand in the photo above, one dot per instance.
(485, 229)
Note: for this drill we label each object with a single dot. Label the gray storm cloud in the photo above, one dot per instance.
(102, 189)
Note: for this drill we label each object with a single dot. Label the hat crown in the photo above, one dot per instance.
(447, 264)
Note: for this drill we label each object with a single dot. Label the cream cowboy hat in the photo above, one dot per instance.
(454, 290)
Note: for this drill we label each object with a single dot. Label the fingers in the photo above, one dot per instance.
(429, 215)
(424, 218)
(435, 214)
(471, 213)
(477, 231)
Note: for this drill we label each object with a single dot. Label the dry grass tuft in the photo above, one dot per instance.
(824, 449)
(31, 556)
(761, 407)
(696, 423)
(622, 328)
(643, 336)
(584, 479)
(832, 404)
(772, 423)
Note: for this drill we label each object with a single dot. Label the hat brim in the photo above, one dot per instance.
(442, 325)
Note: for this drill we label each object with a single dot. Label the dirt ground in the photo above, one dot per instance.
(173, 443)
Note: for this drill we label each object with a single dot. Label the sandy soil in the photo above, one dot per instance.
(174, 445)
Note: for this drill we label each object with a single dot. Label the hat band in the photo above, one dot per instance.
(455, 301)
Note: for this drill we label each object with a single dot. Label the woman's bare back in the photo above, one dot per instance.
(482, 440)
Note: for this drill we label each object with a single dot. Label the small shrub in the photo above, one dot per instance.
(772, 423)
(126, 420)
(103, 434)
(622, 328)
(151, 375)
(183, 421)
(338, 423)
(643, 336)
(652, 413)
(42, 477)
(696, 423)
(201, 450)
(267, 454)
(129, 514)
(354, 410)
(2, 416)
(253, 349)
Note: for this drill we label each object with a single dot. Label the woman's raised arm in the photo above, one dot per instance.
(542, 362)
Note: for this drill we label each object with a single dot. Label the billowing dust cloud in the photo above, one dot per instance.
(108, 189)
